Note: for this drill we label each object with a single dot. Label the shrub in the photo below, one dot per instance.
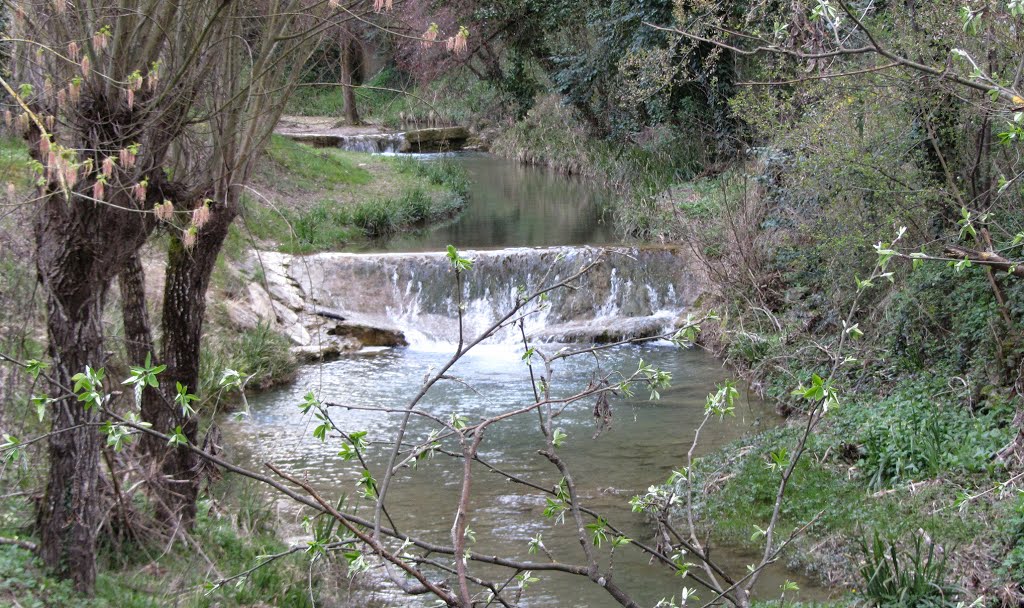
(1012, 566)
(376, 218)
(265, 354)
(260, 352)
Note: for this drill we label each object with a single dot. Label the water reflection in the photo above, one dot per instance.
(512, 205)
(644, 442)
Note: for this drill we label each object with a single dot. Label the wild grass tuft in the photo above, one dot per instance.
(915, 577)
(261, 352)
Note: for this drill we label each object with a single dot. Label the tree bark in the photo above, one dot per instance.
(138, 333)
(80, 247)
(989, 259)
(155, 405)
(348, 57)
(69, 514)
(184, 309)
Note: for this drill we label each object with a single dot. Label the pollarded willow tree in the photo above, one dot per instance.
(139, 114)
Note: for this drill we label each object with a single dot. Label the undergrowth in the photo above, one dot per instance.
(926, 398)
(134, 575)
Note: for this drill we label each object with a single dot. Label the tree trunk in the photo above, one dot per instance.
(138, 333)
(69, 514)
(155, 405)
(348, 80)
(184, 308)
(80, 247)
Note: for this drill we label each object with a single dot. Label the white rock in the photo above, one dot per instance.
(285, 316)
(298, 334)
(288, 295)
(261, 304)
(240, 315)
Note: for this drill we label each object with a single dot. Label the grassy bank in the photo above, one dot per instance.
(235, 531)
(914, 454)
(837, 485)
(311, 199)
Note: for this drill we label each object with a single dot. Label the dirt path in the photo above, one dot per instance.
(323, 125)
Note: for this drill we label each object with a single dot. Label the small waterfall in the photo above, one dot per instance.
(377, 143)
(631, 292)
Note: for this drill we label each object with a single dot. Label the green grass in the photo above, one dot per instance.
(824, 487)
(855, 478)
(352, 196)
(261, 352)
(329, 100)
(317, 101)
(311, 168)
(328, 225)
(15, 163)
(441, 172)
(23, 582)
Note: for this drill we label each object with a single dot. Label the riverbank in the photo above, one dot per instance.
(309, 199)
(913, 452)
(924, 447)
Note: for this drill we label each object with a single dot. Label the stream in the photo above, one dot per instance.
(515, 218)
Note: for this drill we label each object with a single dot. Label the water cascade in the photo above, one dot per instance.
(374, 143)
(401, 296)
(629, 292)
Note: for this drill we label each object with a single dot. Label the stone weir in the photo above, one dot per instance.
(441, 139)
(335, 302)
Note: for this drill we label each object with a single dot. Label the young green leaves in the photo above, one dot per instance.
(89, 386)
(657, 379)
(458, 262)
(143, 376)
(721, 403)
(184, 399)
(35, 367)
(819, 390)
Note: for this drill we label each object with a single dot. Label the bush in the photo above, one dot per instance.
(377, 218)
(1012, 567)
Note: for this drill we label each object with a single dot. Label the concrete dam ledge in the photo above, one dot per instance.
(330, 304)
(438, 139)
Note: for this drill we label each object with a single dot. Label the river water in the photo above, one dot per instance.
(612, 458)
(513, 205)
